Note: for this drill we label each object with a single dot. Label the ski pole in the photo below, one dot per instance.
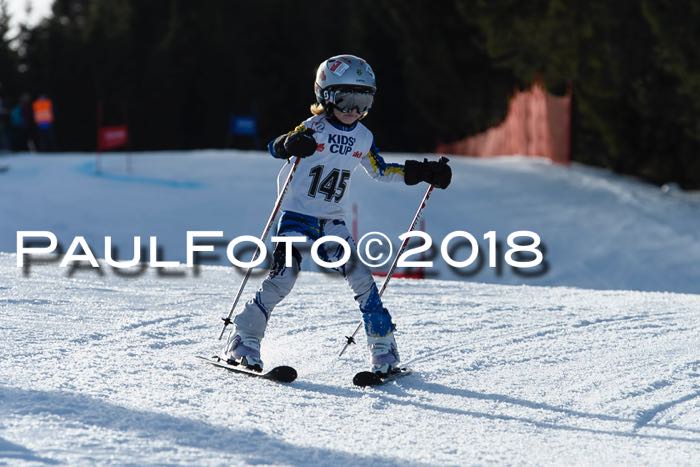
(414, 222)
(263, 236)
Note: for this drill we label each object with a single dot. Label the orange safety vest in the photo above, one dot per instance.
(43, 111)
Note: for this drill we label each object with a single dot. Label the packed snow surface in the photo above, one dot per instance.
(599, 230)
(103, 369)
(593, 361)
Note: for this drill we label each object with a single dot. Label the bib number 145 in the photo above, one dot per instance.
(332, 186)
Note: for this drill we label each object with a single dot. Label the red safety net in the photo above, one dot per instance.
(537, 124)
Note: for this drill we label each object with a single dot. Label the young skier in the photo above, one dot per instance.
(331, 143)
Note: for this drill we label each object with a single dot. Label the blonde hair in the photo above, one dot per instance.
(317, 109)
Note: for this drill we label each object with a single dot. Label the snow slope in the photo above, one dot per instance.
(600, 230)
(102, 370)
(97, 368)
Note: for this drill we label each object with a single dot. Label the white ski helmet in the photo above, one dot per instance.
(344, 73)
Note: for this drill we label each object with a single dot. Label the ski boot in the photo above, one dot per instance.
(244, 349)
(384, 355)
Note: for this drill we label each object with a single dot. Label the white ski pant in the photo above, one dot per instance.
(280, 281)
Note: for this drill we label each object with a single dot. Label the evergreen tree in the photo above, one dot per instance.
(178, 69)
(8, 56)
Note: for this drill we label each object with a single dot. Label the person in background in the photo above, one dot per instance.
(43, 118)
(20, 125)
(5, 144)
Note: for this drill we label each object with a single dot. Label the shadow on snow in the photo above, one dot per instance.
(397, 393)
(255, 445)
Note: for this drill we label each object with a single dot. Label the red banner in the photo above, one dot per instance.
(112, 137)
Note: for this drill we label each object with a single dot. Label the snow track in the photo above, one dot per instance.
(102, 370)
(600, 230)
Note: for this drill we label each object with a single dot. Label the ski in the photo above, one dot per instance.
(280, 374)
(367, 378)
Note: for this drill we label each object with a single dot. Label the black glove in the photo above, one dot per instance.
(300, 144)
(296, 143)
(436, 173)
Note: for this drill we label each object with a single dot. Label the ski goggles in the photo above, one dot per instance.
(346, 101)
